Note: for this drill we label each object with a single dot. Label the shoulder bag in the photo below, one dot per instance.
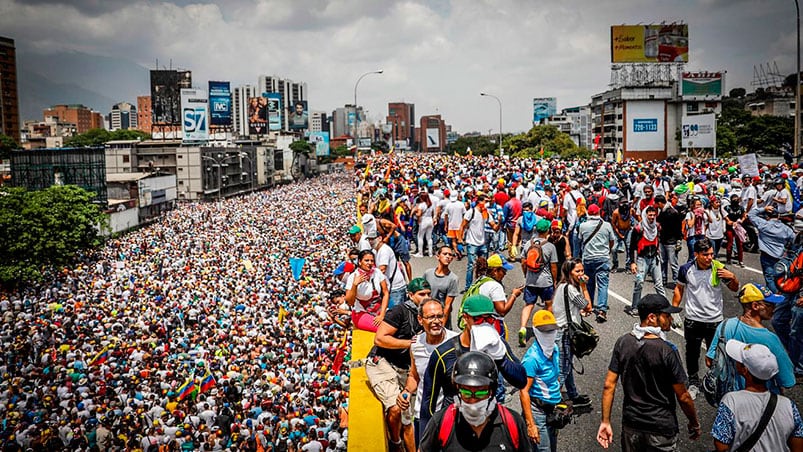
(769, 410)
(583, 337)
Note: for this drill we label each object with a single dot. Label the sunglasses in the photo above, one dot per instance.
(485, 318)
(478, 394)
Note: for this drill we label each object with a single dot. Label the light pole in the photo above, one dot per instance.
(797, 86)
(219, 162)
(356, 114)
(500, 119)
(251, 169)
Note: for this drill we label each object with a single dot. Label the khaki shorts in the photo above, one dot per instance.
(387, 382)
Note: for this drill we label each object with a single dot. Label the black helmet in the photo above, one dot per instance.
(778, 181)
(475, 369)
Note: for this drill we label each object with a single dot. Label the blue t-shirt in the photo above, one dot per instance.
(736, 329)
(545, 373)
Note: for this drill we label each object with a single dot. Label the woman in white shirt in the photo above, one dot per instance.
(424, 211)
(715, 223)
(573, 284)
(367, 293)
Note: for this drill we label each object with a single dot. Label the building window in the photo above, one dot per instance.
(278, 160)
(692, 107)
(126, 158)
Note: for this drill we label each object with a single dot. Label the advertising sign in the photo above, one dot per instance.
(194, 115)
(298, 117)
(220, 103)
(698, 131)
(274, 110)
(544, 107)
(166, 88)
(650, 43)
(264, 113)
(645, 125)
(321, 142)
(748, 164)
(701, 84)
(433, 138)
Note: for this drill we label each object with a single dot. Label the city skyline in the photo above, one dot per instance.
(438, 55)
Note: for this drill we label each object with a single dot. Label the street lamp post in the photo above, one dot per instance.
(219, 162)
(356, 114)
(251, 169)
(500, 119)
(797, 86)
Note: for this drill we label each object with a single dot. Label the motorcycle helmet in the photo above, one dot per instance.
(475, 369)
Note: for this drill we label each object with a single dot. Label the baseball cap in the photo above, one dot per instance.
(478, 305)
(759, 360)
(542, 225)
(497, 261)
(544, 320)
(557, 224)
(446, 193)
(593, 209)
(354, 230)
(655, 303)
(417, 284)
(756, 292)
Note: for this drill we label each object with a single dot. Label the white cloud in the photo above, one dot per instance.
(436, 54)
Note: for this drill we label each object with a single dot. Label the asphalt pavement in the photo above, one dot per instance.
(581, 435)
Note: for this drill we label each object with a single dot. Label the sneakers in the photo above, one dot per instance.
(741, 264)
(602, 317)
(417, 255)
(694, 386)
(632, 311)
(523, 337)
(581, 401)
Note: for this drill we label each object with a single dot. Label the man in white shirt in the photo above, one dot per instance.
(472, 233)
(453, 218)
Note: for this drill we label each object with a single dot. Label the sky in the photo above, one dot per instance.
(437, 54)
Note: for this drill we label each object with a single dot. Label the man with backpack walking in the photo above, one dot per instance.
(596, 239)
(475, 421)
(540, 268)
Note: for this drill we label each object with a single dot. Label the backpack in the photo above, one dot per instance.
(473, 290)
(448, 421)
(789, 270)
(721, 376)
(535, 256)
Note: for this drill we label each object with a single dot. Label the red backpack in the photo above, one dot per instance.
(447, 425)
(535, 256)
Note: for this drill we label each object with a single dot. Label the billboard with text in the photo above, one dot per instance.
(194, 115)
(704, 85)
(646, 125)
(297, 116)
(650, 43)
(698, 131)
(274, 110)
(220, 103)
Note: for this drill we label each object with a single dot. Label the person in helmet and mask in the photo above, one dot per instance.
(475, 421)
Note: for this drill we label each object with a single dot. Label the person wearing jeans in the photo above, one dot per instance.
(645, 247)
(472, 234)
(787, 321)
(596, 237)
(670, 236)
(773, 239)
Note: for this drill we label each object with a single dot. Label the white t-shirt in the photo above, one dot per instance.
(455, 211)
(365, 290)
(385, 256)
(570, 204)
(576, 303)
(738, 416)
(421, 352)
(475, 228)
(426, 212)
(493, 290)
(748, 193)
(716, 224)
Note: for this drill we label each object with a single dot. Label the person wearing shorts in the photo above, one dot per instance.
(541, 284)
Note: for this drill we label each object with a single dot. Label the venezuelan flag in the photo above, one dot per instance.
(208, 381)
(101, 357)
(186, 389)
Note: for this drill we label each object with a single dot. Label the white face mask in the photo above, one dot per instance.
(546, 339)
(476, 413)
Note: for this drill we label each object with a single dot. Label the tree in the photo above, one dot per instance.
(767, 134)
(98, 137)
(7, 144)
(737, 93)
(45, 229)
(479, 144)
(302, 147)
(547, 138)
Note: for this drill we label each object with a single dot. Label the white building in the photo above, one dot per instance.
(123, 117)
(240, 97)
(290, 91)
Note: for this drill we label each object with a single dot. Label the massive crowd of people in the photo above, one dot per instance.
(196, 333)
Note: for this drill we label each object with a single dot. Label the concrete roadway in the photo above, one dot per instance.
(581, 435)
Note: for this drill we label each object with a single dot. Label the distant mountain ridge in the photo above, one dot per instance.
(77, 78)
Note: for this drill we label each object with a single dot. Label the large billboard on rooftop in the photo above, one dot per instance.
(656, 43)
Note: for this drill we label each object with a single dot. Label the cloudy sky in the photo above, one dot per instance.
(437, 54)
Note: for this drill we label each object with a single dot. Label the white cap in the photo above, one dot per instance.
(759, 360)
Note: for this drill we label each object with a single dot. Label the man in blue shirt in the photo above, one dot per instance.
(773, 239)
(758, 304)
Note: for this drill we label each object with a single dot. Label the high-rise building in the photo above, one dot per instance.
(144, 118)
(239, 97)
(9, 98)
(318, 122)
(123, 117)
(432, 134)
(291, 92)
(402, 116)
(82, 116)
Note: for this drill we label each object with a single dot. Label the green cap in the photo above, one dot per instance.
(478, 305)
(354, 230)
(417, 284)
(543, 225)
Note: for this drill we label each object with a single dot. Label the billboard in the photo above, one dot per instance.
(298, 116)
(646, 125)
(321, 142)
(220, 103)
(194, 115)
(433, 138)
(264, 113)
(650, 43)
(544, 107)
(702, 84)
(698, 131)
(166, 88)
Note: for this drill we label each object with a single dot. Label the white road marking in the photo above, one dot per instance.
(625, 301)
